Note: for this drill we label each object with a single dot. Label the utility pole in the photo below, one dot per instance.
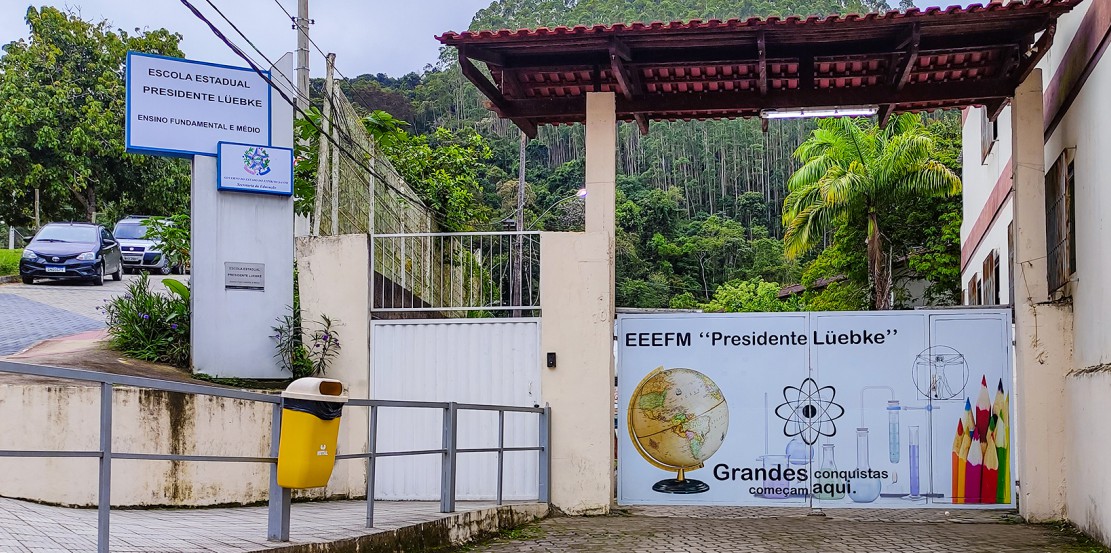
(517, 294)
(324, 157)
(301, 23)
(37, 209)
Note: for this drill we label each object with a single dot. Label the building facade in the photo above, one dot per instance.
(1076, 85)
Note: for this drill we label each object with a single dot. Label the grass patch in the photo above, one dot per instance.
(9, 262)
(1073, 540)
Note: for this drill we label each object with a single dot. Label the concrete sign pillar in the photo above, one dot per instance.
(1043, 330)
(232, 326)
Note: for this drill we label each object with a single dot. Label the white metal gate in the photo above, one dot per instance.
(486, 361)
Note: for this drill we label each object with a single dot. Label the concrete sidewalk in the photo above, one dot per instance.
(33, 528)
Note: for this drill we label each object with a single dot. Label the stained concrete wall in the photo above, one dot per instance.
(334, 280)
(576, 301)
(144, 421)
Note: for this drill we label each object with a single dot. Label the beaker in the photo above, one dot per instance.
(863, 488)
(798, 453)
(774, 485)
(830, 487)
(893, 430)
(915, 483)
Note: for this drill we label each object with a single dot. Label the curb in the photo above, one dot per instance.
(450, 531)
(10, 279)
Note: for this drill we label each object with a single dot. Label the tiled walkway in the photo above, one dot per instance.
(29, 527)
(726, 529)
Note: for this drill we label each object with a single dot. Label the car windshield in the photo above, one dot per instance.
(130, 231)
(67, 233)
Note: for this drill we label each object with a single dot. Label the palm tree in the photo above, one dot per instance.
(853, 167)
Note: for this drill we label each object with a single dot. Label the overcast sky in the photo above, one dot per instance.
(368, 36)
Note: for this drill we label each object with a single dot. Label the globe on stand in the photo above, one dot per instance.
(677, 419)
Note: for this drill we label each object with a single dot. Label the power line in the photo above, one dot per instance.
(239, 52)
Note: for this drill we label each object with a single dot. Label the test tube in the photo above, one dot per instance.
(912, 439)
(893, 430)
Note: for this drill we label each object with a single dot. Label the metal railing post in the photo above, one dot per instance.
(501, 452)
(104, 480)
(545, 456)
(372, 448)
(277, 523)
(447, 476)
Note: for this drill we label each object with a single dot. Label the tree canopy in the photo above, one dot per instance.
(61, 129)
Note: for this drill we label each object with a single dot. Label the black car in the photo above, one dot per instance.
(74, 251)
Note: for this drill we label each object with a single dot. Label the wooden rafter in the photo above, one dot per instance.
(762, 63)
(900, 76)
(751, 103)
(1037, 51)
(497, 100)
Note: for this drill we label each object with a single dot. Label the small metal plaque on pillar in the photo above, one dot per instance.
(244, 276)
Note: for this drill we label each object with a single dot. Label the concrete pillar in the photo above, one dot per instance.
(1043, 330)
(333, 275)
(601, 162)
(576, 300)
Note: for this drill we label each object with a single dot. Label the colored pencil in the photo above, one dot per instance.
(983, 413)
(974, 468)
(962, 467)
(957, 463)
(997, 405)
(1002, 452)
(989, 484)
(969, 423)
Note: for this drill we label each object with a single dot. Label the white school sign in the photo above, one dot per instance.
(877, 409)
(184, 107)
(241, 244)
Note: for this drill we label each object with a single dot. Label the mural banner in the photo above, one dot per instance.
(832, 409)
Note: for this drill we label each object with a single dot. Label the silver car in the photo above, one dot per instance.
(139, 253)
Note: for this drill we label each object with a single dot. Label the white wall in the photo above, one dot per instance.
(1087, 127)
(485, 361)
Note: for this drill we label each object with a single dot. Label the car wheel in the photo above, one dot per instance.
(28, 280)
(165, 269)
(98, 280)
(118, 275)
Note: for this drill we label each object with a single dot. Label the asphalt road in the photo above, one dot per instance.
(32, 313)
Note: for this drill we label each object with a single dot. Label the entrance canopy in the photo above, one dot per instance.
(913, 61)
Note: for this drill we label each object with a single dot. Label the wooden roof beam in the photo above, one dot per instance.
(628, 81)
(496, 98)
(722, 103)
(762, 61)
(1037, 51)
(902, 70)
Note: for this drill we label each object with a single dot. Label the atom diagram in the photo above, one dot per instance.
(811, 410)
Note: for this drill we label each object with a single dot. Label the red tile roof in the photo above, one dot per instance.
(902, 61)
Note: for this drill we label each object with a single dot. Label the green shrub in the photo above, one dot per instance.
(9, 262)
(302, 351)
(150, 326)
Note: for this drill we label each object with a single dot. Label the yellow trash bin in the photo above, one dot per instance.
(311, 409)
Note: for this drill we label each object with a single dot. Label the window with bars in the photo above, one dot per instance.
(989, 134)
(1060, 227)
(989, 293)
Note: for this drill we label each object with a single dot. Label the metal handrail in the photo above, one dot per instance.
(278, 519)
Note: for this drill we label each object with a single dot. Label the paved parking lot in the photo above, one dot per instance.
(724, 529)
(30, 314)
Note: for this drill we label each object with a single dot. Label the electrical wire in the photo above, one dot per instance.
(282, 93)
(311, 41)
